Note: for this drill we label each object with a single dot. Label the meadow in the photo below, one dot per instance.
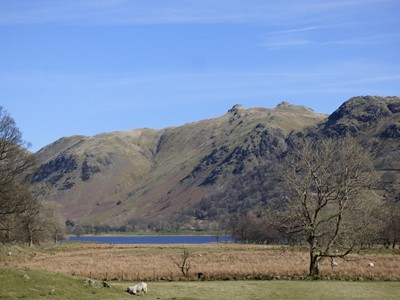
(37, 284)
(215, 261)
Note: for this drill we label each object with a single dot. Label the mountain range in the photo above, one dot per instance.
(147, 174)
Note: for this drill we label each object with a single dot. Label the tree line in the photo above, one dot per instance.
(23, 216)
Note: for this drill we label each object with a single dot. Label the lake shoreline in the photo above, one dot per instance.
(151, 239)
(155, 233)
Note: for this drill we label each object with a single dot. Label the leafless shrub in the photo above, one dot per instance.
(184, 264)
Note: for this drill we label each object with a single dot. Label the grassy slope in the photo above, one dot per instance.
(183, 148)
(140, 171)
(47, 285)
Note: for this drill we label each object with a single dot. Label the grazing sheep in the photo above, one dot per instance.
(134, 289)
(9, 253)
(370, 264)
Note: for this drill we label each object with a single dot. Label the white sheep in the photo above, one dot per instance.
(370, 264)
(140, 287)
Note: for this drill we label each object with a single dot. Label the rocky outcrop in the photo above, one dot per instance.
(55, 169)
(391, 132)
(360, 113)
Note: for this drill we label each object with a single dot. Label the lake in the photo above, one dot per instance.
(157, 239)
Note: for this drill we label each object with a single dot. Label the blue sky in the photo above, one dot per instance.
(91, 66)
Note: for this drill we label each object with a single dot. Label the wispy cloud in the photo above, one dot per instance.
(277, 80)
(109, 12)
(307, 36)
(114, 12)
(296, 30)
(363, 81)
(289, 43)
(362, 40)
(318, 41)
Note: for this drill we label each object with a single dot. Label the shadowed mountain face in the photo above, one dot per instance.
(154, 174)
(148, 174)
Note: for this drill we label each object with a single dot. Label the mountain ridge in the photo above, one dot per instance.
(149, 173)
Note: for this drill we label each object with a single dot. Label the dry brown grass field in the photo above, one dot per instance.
(215, 261)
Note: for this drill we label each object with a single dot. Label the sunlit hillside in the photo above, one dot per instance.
(119, 176)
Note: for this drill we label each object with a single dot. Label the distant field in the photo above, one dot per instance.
(215, 261)
(34, 284)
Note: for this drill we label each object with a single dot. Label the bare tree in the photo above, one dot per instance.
(184, 263)
(22, 215)
(15, 163)
(57, 228)
(390, 234)
(329, 201)
(31, 219)
(41, 223)
(7, 226)
(391, 229)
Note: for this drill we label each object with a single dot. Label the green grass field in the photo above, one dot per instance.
(34, 284)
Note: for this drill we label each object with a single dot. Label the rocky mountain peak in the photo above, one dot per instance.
(359, 113)
(283, 104)
(293, 107)
(236, 109)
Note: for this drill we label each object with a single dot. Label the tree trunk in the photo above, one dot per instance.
(30, 235)
(314, 264)
(8, 235)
